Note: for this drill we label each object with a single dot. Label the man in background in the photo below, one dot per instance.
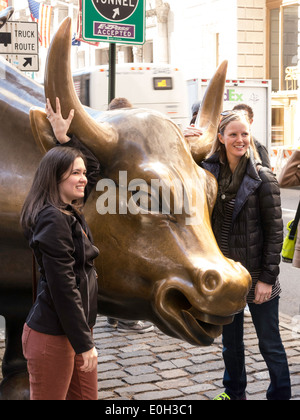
(262, 151)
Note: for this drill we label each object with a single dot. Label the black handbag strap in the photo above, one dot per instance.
(34, 279)
(295, 224)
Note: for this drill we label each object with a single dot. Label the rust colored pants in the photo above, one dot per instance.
(54, 369)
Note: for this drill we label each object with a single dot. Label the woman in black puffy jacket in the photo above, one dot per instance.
(57, 339)
(247, 222)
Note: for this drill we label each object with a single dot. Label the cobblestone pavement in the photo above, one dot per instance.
(153, 366)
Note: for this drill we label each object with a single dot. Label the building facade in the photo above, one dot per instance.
(283, 67)
(259, 38)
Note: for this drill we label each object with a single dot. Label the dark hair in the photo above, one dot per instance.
(119, 103)
(45, 187)
(245, 107)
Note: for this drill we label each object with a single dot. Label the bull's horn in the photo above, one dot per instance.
(209, 115)
(100, 138)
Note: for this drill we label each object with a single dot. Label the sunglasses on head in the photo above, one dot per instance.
(232, 112)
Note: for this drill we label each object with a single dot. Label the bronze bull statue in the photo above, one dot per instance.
(153, 265)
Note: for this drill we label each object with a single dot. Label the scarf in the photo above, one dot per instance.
(229, 184)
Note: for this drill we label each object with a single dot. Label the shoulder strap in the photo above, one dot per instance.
(295, 224)
(34, 279)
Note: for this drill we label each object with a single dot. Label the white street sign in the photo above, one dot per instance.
(19, 44)
(23, 62)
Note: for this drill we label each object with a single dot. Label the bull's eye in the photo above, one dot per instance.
(148, 200)
(142, 201)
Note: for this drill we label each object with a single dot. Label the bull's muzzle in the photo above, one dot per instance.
(209, 282)
(197, 310)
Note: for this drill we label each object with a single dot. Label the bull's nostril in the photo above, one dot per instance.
(210, 282)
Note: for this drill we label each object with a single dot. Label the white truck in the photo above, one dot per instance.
(154, 86)
(256, 93)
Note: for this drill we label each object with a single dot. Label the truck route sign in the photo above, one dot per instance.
(117, 21)
(19, 44)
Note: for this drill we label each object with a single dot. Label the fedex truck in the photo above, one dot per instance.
(152, 86)
(256, 93)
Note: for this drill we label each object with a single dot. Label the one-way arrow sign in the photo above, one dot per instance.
(23, 62)
(28, 61)
(116, 13)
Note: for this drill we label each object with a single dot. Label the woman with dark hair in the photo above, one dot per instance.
(57, 337)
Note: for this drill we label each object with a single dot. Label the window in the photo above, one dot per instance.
(284, 32)
(278, 125)
(274, 48)
(290, 42)
(283, 68)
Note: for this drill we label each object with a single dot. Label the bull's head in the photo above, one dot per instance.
(166, 268)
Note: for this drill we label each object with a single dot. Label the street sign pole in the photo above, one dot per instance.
(112, 73)
(116, 22)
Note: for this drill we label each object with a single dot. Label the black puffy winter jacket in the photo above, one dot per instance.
(256, 234)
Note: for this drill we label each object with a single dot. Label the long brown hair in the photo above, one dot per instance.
(225, 121)
(45, 187)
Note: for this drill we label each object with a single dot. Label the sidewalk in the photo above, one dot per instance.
(153, 366)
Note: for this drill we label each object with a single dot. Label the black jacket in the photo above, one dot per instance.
(256, 233)
(263, 153)
(66, 301)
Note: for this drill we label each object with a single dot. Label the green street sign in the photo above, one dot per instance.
(117, 21)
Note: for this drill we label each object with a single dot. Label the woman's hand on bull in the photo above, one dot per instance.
(59, 125)
(192, 131)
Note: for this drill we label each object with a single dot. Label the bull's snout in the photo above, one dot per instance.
(224, 289)
(198, 308)
(209, 282)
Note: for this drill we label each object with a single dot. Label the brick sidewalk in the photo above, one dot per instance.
(153, 366)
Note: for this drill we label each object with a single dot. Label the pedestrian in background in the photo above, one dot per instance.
(195, 110)
(262, 150)
(290, 177)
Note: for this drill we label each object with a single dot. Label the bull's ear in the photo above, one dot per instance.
(209, 115)
(42, 130)
(211, 191)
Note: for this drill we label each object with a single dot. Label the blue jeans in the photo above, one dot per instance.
(266, 321)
